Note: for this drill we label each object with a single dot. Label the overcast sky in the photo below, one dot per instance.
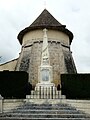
(15, 15)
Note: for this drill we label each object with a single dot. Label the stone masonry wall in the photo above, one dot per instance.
(35, 62)
(24, 59)
(30, 60)
(56, 60)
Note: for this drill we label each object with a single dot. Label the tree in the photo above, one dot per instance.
(0, 58)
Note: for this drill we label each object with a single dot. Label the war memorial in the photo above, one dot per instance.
(42, 83)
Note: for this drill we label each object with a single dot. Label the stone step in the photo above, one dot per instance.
(45, 115)
(46, 111)
(47, 107)
(59, 105)
(21, 118)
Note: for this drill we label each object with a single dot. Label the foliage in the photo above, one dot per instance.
(76, 86)
(14, 84)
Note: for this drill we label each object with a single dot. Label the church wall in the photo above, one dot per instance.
(9, 65)
(30, 58)
(35, 62)
(57, 61)
(32, 52)
(52, 34)
(24, 59)
(58, 36)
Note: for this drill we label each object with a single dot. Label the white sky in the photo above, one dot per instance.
(15, 15)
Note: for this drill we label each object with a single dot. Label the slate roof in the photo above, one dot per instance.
(45, 20)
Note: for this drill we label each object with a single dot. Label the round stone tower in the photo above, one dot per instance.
(59, 39)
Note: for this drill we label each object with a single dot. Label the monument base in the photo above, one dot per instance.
(45, 91)
(45, 85)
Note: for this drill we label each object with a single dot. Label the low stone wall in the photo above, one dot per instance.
(49, 101)
(83, 105)
(9, 104)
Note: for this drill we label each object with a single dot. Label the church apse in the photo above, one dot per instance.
(57, 55)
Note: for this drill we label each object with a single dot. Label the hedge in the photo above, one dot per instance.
(76, 86)
(14, 84)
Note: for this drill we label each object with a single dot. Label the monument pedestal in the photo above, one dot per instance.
(45, 91)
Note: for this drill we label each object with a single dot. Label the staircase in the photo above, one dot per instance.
(44, 111)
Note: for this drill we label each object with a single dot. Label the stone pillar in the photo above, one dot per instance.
(50, 92)
(41, 92)
(59, 94)
(44, 91)
(53, 92)
(35, 92)
(38, 92)
(1, 104)
(32, 94)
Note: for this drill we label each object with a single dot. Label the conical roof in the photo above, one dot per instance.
(45, 20)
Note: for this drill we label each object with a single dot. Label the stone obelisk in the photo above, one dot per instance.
(45, 86)
(45, 70)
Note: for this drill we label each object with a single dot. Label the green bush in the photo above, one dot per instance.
(14, 84)
(76, 86)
